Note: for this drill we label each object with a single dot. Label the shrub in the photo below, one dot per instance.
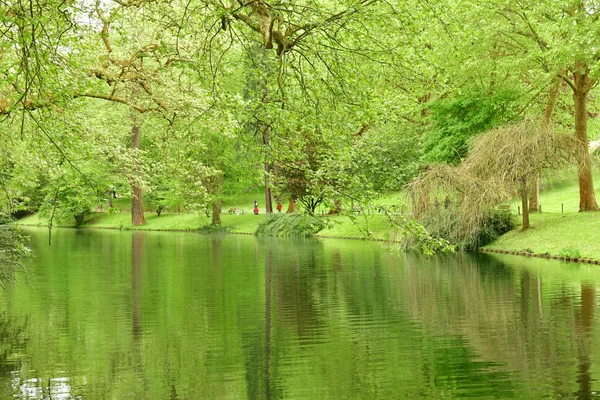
(456, 119)
(495, 223)
(215, 229)
(289, 225)
(569, 253)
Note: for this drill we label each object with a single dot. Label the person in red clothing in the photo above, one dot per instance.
(255, 207)
(279, 206)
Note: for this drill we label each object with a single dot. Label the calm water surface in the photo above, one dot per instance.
(131, 315)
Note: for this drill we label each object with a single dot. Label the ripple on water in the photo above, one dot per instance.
(152, 316)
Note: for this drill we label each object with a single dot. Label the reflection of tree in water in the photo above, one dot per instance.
(267, 351)
(291, 289)
(299, 281)
(584, 324)
(361, 285)
(510, 320)
(13, 250)
(137, 251)
(255, 340)
(13, 340)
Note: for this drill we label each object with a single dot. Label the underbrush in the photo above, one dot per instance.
(212, 229)
(494, 224)
(289, 225)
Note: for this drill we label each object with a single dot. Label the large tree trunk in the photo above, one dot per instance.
(137, 204)
(292, 206)
(268, 199)
(534, 195)
(216, 212)
(587, 197)
(525, 206)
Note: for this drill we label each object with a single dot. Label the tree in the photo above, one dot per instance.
(316, 72)
(555, 40)
(388, 155)
(501, 163)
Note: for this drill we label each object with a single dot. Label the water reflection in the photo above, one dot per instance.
(153, 316)
(583, 325)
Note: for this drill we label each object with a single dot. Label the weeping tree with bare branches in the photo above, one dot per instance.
(459, 202)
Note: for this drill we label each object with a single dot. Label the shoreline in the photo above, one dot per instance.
(224, 232)
(579, 260)
(563, 237)
(339, 226)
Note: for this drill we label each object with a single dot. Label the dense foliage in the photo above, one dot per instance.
(177, 105)
(290, 225)
(13, 250)
(457, 119)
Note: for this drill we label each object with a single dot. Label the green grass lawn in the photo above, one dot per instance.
(553, 231)
(344, 227)
(245, 223)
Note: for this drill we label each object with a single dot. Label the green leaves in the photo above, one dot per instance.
(457, 119)
(13, 250)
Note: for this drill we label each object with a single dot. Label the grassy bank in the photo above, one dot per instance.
(166, 222)
(569, 234)
(559, 230)
(339, 226)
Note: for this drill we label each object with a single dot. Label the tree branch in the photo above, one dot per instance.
(116, 100)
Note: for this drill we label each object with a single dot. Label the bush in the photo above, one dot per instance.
(214, 229)
(456, 119)
(570, 253)
(289, 225)
(495, 223)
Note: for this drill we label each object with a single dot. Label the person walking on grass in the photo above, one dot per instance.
(255, 207)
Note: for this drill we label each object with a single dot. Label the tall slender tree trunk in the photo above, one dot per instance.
(268, 198)
(214, 185)
(137, 204)
(587, 197)
(534, 194)
(525, 206)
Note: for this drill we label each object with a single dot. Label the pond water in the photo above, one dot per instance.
(132, 315)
